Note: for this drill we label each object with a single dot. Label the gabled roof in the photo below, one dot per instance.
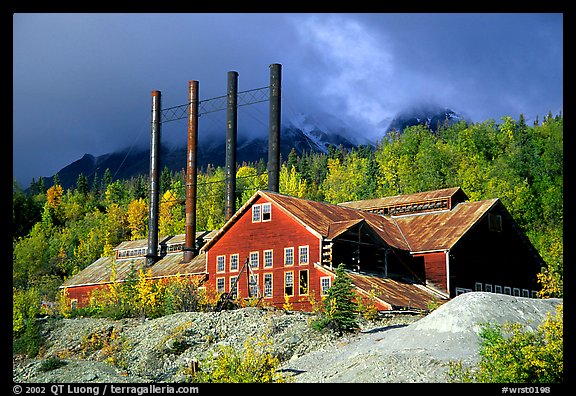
(323, 219)
(391, 292)
(442, 230)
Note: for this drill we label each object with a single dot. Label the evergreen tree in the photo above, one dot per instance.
(107, 180)
(57, 180)
(41, 186)
(82, 184)
(341, 308)
(95, 186)
(165, 180)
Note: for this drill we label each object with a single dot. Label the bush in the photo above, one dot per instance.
(25, 329)
(52, 364)
(254, 364)
(510, 354)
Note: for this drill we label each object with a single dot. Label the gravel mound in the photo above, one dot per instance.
(419, 352)
(395, 348)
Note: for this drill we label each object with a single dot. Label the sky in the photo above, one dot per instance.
(82, 83)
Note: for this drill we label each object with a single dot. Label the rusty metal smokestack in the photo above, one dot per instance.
(274, 128)
(191, 177)
(152, 252)
(231, 137)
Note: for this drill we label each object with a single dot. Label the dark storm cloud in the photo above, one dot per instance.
(82, 82)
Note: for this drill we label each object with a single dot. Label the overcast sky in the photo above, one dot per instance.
(82, 83)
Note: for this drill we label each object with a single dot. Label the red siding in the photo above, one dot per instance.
(282, 231)
(435, 269)
(82, 293)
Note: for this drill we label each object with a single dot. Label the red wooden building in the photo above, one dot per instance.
(407, 251)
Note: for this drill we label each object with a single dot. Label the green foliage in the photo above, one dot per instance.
(52, 363)
(58, 233)
(254, 364)
(512, 354)
(25, 328)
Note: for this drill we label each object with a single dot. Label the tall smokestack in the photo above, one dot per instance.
(231, 135)
(274, 128)
(152, 253)
(191, 177)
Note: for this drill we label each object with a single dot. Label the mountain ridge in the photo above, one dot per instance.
(301, 134)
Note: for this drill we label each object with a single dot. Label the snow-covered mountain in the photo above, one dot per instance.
(431, 115)
(304, 133)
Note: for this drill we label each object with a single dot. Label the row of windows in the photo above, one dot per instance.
(268, 257)
(261, 212)
(266, 290)
(140, 252)
(488, 287)
(131, 253)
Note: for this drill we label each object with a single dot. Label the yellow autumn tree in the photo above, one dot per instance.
(137, 219)
(291, 182)
(171, 219)
(54, 195)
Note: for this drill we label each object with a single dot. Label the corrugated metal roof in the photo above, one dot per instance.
(170, 265)
(322, 216)
(441, 230)
(395, 292)
(375, 203)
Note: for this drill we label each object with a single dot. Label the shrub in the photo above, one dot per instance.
(52, 363)
(25, 329)
(254, 364)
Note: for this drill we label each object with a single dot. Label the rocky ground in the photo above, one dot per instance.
(395, 348)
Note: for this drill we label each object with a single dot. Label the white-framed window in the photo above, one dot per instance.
(73, 304)
(256, 213)
(303, 255)
(289, 256)
(254, 259)
(253, 285)
(289, 283)
(234, 262)
(266, 211)
(268, 258)
(303, 282)
(220, 285)
(507, 290)
(220, 263)
(478, 286)
(462, 290)
(488, 287)
(525, 293)
(516, 292)
(534, 294)
(498, 289)
(268, 285)
(233, 287)
(325, 283)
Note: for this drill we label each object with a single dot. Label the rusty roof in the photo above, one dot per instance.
(441, 230)
(393, 292)
(99, 272)
(375, 203)
(414, 232)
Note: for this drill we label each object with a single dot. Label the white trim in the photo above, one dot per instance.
(447, 253)
(269, 213)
